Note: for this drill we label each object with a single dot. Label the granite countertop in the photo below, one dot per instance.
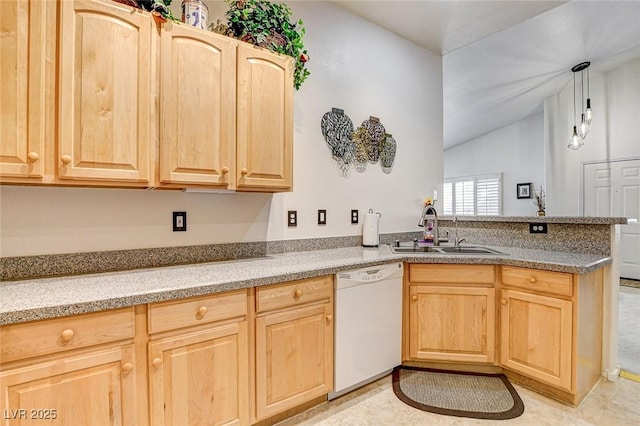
(29, 300)
(580, 220)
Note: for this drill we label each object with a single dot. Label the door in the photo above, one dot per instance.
(201, 377)
(265, 120)
(294, 357)
(85, 389)
(27, 49)
(105, 92)
(613, 189)
(536, 336)
(198, 107)
(452, 323)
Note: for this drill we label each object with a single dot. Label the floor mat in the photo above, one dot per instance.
(474, 395)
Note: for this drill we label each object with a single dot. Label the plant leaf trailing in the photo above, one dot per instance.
(268, 25)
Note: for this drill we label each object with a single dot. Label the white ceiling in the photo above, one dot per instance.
(503, 58)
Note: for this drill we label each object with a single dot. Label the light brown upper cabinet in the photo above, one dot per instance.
(95, 88)
(27, 49)
(105, 98)
(265, 120)
(197, 107)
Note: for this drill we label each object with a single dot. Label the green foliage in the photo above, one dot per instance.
(268, 25)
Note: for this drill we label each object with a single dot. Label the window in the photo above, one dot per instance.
(473, 195)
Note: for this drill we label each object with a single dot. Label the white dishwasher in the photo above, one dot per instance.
(368, 325)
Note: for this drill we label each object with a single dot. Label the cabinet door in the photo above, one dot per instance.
(27, 49)
(82, 389)
(198, 107)
(201, 377)
(294, 357)
(105, 92)
(265, 120)
(452, 323)
(536, 336)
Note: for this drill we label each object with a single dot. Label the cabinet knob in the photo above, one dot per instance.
(66, 335)
(66, 159)
(202, 311)
(224, 170)
(414, 298)
(503, 301)
(532, 279)
(157, 362)
(244, 172)
(297, 294)
(329, 318)
(33, 156)
(126, 369)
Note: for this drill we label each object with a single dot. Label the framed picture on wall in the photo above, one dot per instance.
(524, 190)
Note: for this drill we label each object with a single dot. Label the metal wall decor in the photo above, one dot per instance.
(369, 143)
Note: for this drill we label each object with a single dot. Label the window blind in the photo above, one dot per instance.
(473, 195)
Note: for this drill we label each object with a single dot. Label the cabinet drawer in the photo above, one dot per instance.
(559, 283)
(198, 310)
(451, 273)
(293, 293)
(49, 336)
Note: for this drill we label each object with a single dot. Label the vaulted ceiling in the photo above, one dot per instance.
(501, 59)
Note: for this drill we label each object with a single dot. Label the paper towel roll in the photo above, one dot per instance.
(370, 235)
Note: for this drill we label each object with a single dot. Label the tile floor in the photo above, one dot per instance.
(628, 330)
(610, 403)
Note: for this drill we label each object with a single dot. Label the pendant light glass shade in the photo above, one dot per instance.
(580, 130)
(574, 142)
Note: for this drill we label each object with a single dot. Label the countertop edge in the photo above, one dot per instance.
(327, 268)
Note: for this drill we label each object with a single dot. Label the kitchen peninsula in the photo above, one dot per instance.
(113, 322)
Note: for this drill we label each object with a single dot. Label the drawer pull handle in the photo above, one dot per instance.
(157, 362)
(329, 319)
(33, 156)
(532, 279)
(126, 369)
(414, 298)
(67, 335)
(244, 172)
(66, 159)
(297, 294)
(224, 170)
(503, 301)
(202, 311)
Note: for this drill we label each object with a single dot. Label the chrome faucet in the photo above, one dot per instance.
(429, 210)
(456, 241)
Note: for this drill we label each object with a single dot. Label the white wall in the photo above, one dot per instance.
(516, 151)
(615, 99)
(354, 65)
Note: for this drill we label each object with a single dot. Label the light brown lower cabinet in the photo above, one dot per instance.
(70, 371)
(451, 313)
(294, 344)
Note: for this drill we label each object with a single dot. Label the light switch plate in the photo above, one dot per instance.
(179, 221)
(322, 217)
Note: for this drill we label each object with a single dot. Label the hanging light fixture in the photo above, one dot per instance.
(586, 114)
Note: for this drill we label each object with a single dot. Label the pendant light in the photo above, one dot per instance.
(580, 131)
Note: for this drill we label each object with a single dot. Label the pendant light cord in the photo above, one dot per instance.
(574, 99)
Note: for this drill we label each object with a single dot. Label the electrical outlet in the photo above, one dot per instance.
(179, 221)
(537, 228)
(292, 218)
(322, 217)
(354, 216)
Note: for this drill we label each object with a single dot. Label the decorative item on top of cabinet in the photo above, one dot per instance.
(268, 25)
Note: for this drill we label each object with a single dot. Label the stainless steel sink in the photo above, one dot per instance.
(469, 250)
(419, 249)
